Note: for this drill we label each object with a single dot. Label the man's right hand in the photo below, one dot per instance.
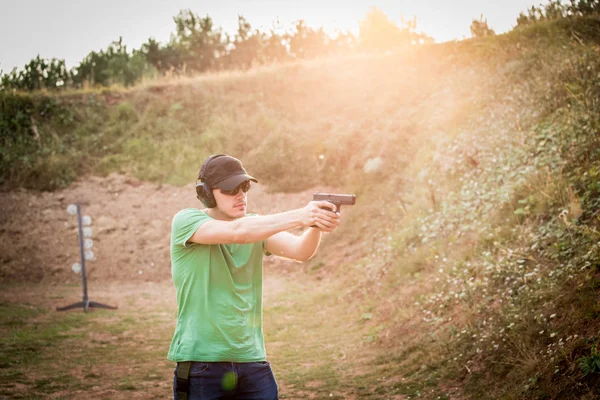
(322, 214)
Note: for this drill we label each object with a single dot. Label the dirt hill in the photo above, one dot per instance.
(131, 224)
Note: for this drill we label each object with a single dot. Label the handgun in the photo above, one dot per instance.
(337, 199)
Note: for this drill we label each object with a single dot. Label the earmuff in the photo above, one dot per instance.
(203, 191)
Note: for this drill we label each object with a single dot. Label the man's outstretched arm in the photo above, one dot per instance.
(300, 248)
(255, 229)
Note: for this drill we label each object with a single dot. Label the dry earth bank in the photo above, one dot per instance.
(131, 224)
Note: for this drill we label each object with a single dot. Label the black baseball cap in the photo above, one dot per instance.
(223, 172)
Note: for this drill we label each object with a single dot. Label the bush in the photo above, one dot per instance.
(556, 9)
(38, 74)
(590, 364)
(479, 28)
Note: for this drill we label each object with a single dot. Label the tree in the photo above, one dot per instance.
(555, 9)
(115, 65)
(378, 32)
(307, 42)
(39, 73)
(164, 58)
(343, 42)
(276, 47)
(479, 28)
(247, 46)
(584, 7)
(198, 43)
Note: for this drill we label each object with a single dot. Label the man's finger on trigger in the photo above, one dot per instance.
(329, 205)
(330, 208)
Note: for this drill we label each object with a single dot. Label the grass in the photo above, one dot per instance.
(25, 342)
(48, 353)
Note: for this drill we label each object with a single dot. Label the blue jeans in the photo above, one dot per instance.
(230, 380)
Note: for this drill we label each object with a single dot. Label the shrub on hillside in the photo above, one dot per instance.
(38, 74)
(378, 32)
(555, 9)
(199, 43)
(479, 28)
(115, 65)
(250, 47)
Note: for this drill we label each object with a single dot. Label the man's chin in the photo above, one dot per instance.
(239, 212)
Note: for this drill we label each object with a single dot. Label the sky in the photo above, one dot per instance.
(70, 29)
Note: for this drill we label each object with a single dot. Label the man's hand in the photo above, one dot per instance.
(322, 214)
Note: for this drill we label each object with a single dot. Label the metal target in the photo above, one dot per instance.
(86, 254)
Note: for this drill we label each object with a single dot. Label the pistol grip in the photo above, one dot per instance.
(338, 206)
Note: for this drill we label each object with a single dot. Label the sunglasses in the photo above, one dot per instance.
(244, 187)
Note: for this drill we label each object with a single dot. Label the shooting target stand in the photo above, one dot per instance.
(86, 303)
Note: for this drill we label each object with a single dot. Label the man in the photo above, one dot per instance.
(216, 263)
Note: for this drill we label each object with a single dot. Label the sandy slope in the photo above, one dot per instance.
(131, 222)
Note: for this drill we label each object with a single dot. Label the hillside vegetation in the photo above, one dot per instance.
(473, 251)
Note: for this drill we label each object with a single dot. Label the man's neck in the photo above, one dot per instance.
(218, 215)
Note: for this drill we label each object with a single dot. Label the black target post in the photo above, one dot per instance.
(86, 303)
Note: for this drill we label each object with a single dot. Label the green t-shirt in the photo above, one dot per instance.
(219, 296)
